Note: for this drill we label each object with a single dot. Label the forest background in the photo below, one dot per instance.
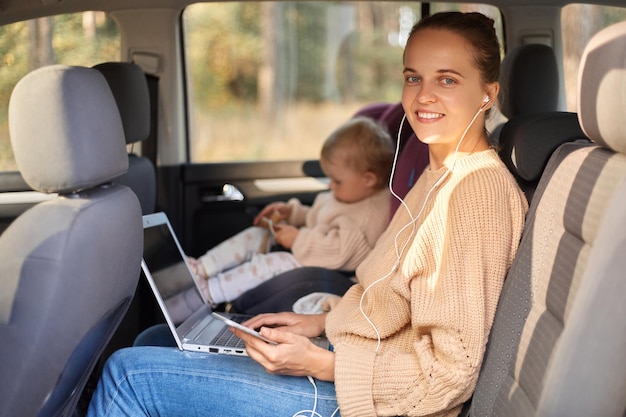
(235, 64)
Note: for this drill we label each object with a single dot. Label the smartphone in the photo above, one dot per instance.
(248, 330)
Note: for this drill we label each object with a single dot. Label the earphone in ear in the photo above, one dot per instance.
(486, 101)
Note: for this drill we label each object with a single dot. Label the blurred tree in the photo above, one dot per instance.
(267, 67)
(580, 22)
(73, 39)
(40, 39)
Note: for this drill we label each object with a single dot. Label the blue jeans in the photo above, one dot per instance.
(157, 335)
(160, 381)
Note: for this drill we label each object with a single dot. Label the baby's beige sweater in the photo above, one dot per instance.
(338, 235)
(434, 305)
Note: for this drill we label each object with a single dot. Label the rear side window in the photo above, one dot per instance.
(74, 39)
(271, 80)
(579, 23)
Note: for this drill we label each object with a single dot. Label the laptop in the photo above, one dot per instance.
(167, 270)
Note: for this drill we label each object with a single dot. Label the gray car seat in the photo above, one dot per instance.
(68, 266)
(528, 97)
(528, 140)
(529, 82)
(130, 90)
(558, 343)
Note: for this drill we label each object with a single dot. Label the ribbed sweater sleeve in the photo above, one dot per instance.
(338, 235)
(297, 217)
(432, 306)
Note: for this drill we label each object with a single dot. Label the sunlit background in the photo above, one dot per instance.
(267, 80)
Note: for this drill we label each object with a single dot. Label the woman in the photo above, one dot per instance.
(409, 337)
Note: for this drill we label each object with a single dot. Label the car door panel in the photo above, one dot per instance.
(222, 199)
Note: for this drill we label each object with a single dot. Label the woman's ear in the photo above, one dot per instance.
(492, 93)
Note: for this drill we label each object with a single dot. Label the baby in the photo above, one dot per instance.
(337, 232)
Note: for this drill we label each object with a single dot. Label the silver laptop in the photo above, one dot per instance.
(166, 268)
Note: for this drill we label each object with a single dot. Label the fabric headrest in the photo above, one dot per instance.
(392, 118)
(529, 80)
(602, 88)
(128, 84)
(65, 129)
(373, 111)
(533, 137)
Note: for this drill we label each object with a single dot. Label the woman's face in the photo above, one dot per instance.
(443, 91)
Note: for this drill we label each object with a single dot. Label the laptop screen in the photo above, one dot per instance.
(166, 263)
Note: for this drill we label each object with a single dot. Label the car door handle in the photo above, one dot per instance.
(229, 193)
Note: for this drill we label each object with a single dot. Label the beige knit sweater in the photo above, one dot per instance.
(434, 306)
(337, 235)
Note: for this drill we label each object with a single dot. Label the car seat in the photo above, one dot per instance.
(128, 84)
(558, 343)
(69, 265)
(528, 140)
(529, 82)
(373, 110)
(529, 96)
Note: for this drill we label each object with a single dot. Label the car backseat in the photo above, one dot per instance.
(528, 97)
(558, 343)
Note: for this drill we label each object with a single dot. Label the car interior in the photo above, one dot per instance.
(208, 111)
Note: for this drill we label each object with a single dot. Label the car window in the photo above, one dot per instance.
(579, 22)
(271, 80)
(75, 39)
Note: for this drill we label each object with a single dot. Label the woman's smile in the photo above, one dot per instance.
(428, 117)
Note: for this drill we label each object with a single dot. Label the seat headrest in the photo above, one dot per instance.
(392, 118)
(373, 111)
(529, 80)
(533, 137)
(128, 84)
(602, 88)
(65, 129)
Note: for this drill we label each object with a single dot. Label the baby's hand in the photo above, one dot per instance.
(285, 235)
(276, 212)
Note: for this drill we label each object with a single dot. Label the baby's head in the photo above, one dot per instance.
(357, 157)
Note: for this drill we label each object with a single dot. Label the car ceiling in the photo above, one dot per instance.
(17, 10)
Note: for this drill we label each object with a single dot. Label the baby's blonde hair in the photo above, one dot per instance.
(368, 148)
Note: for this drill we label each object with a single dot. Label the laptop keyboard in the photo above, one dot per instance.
(225, 337)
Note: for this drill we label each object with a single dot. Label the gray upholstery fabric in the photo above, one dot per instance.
(58, 144)
(529, 80)
(70, 265)
(528, 140)
(587, 376)
(141, 178)
(130, 90)
(557, 346)
(602, 88)
(529, 84)
(533, 138)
